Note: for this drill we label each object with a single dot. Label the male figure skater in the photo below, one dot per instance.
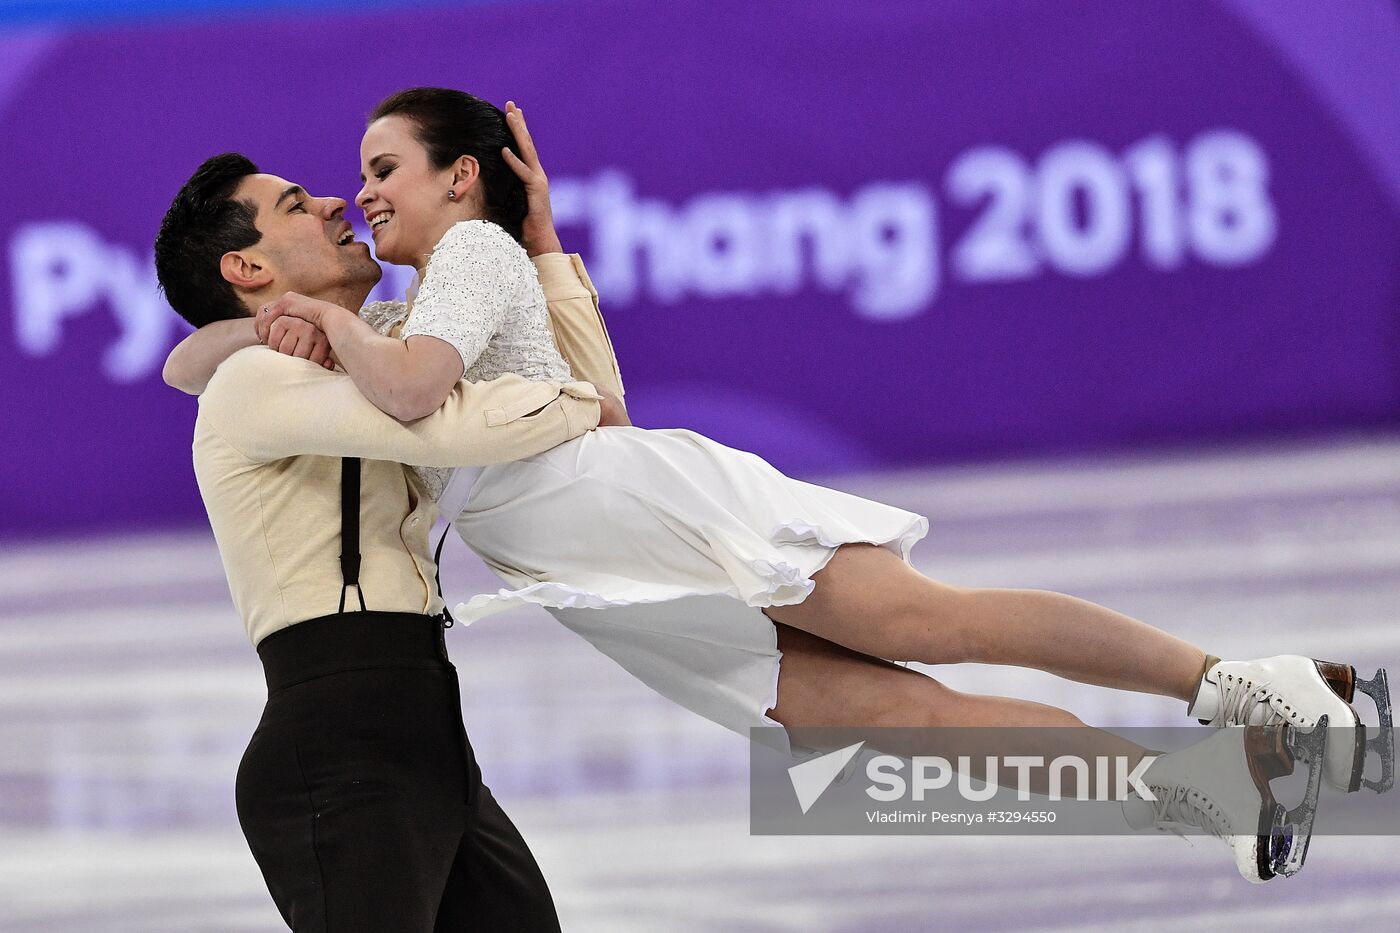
(359, 794)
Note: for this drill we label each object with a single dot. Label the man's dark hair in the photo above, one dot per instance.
(203, 223)
(451, 124)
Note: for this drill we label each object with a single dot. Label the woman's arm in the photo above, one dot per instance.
(578, 327)
(399, 377)
(464, 296)
(407, 379)
(191, 364)
(537, 232)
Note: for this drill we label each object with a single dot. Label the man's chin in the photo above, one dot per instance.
(366, 269)
(357, 249)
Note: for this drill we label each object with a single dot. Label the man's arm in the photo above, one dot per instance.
(577, 323)
(191, 364)
(269, 406)
(194, 359)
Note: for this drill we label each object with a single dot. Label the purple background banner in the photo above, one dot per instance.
(839, 237)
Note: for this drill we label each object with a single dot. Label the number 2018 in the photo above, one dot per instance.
(1073, 209)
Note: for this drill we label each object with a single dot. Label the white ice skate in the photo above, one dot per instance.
(1299, 691)
(1221, 785)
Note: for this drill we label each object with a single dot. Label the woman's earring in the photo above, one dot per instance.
(451, 194)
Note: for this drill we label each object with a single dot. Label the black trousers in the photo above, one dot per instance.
(360, 796)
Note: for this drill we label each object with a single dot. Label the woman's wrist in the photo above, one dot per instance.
(336, 323)
(545, 243)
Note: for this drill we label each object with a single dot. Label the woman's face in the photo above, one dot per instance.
(404, 197)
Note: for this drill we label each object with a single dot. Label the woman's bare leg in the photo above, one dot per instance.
(823, 685)
(870, 601)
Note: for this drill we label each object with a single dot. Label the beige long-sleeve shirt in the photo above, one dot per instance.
(267, 446)
(577, 324)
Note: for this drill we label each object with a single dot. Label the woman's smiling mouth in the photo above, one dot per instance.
(377, 222)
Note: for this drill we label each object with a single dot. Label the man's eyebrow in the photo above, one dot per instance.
(290, 191)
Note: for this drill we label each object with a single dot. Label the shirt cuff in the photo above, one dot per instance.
(583, 390)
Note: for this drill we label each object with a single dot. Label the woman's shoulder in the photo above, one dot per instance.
(478, 234)
(479, 250)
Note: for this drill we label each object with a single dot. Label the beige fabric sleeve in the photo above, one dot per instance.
(269, 406)
(577, 323)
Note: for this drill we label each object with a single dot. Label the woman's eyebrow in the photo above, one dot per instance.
(379, 158)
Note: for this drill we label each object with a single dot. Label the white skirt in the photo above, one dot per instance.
(661, 548)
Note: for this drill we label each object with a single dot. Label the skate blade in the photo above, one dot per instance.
(1383, 743)
(1290, 831)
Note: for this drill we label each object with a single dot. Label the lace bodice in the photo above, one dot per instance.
(481, 294)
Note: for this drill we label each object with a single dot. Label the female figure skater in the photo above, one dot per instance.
(698, 567)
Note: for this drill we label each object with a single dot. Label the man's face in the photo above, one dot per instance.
(307, 245)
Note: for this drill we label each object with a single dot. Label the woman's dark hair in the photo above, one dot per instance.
(451, 124)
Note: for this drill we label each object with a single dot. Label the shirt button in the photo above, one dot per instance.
(414, 522)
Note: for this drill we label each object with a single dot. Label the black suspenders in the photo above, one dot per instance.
(446, 616)
(350, 540)
(350, 530)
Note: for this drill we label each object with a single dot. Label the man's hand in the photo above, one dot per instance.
(611, 412)
(291, 325)
(538, 231)
(295, 337)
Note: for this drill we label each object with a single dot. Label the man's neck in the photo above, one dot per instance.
(353, 298)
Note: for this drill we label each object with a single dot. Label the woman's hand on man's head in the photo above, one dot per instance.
(538, 232)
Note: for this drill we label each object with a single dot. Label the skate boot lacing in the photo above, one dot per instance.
(1239, 698)
(1186, 805)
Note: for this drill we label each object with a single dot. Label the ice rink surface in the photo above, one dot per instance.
(128, 691)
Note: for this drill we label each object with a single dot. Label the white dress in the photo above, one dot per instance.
(659, 547)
